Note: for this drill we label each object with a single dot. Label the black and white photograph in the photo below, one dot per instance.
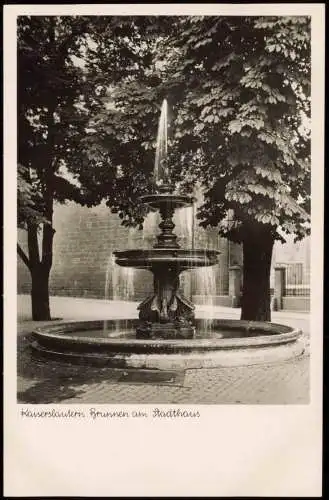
(164, 209)
(164, 212)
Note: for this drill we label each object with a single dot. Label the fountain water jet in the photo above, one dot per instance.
(160, 168)
(167, 335)
(166, 313)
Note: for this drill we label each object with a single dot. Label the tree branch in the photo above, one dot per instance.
(23, 256)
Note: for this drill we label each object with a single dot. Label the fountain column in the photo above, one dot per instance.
(167, 313)
(167, 239)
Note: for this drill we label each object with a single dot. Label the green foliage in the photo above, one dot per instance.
(238, 89)
(255, 83)
(50, 87)
(60, 90)
(29, 200)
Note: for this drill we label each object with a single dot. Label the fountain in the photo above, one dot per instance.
(167, 334)
(166, 313)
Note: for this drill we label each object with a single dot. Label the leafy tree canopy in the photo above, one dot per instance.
(89, 96)
(239, 94)
(59, 97)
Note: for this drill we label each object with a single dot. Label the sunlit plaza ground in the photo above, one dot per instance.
(50, 381)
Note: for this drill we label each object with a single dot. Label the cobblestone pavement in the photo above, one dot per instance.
(282, 384)
(50, 382)
(53, 382)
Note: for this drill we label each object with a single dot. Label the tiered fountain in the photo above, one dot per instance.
(167, 313)
(167, 334)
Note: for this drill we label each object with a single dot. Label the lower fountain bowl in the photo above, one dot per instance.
(171, 257)
(216, 343)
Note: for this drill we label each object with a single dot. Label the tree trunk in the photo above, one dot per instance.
(40, 293)
(257, 256)
(40, 270)
(40, 267)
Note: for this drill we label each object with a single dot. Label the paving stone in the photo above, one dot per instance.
(44, 382)
(286, 383)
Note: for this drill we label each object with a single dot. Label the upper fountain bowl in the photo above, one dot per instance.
(172, 257)
(169, 200)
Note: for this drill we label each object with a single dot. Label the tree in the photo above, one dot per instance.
(120, 135)
(247, 117)
(58, 92)
(239, 90)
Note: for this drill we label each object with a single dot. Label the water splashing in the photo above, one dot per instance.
(108, 273)
(119, 282)
(160, 167)
(150, 229)
(183, 220)
(206, 283)
(119, 285)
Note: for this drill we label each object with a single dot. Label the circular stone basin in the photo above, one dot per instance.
(172, 200)
(216, 343)
(182, 259)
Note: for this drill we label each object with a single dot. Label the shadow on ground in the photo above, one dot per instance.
(46, 381)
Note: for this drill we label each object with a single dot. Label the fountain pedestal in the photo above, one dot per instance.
(166, 314)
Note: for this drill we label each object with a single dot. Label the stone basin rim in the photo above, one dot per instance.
(57, 334)
(182, 258)
(198, 252)
(158, 199)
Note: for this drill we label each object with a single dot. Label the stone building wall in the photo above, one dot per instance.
(86, 237)
(297, 253)
(83, 244)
